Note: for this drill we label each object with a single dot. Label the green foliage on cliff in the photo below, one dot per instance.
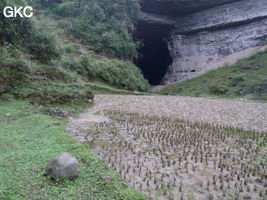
(22, 43)
(13, 68)
(31, 45)
(23, 33)
(102, 24)
(44, 84)
(117, 73)
(246, 79)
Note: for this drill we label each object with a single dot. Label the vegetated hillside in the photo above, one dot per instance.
(56, 55)
(29, 140)
(246, 79)
(57, 65)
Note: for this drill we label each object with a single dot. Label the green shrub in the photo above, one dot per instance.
(118, 73)
(103, 24)
(70, 48)
(237, 79)
(258, 88)
(13, 68)
(42, 44)
(78, 66)
(25, 34)
(67, 9)
(47, 3)
(54, 73)
(59, 94)
(218, 89)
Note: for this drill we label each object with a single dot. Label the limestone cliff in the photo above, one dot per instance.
(207, 34)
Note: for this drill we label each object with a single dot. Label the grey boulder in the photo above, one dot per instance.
(63, 166)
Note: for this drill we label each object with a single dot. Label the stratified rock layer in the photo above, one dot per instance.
(179, 7)
(207, 34)
(197, 53)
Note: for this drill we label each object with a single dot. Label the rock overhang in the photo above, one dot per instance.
(182, 22)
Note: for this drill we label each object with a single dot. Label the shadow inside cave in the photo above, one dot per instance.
(154, 56)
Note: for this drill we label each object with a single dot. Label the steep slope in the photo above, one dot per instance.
(55, 56)
(245, 79)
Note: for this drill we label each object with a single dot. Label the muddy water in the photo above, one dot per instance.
(173, 159)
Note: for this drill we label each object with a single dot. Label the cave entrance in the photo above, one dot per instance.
(154, 56)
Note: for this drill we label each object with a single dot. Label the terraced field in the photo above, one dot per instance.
(164, 150)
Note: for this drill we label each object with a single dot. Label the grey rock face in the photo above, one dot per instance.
(63, 166)
(202, 40)
(156, 19)
(167, 12)
(221, 17)
(197, 53)
(206, 34)
(179, 7)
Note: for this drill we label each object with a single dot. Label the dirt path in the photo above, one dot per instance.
(235, 113)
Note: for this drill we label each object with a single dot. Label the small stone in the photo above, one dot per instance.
(63, 166)
(3, 120)
(91, 101)
(107, 178)
(2, 90)
(55, 112)
(250, 96)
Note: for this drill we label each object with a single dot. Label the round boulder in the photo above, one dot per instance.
(63, 166)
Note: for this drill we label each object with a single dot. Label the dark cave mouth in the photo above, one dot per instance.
(154, 56)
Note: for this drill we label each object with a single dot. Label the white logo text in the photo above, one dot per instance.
(10, 11)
